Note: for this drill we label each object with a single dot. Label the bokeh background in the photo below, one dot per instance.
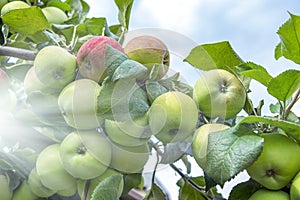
(249, 25)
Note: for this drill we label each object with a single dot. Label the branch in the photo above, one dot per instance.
(17, 53)
(296, 98)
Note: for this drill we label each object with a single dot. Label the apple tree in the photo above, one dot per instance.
(87, 111)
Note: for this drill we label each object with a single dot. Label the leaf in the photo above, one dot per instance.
(244, 190)
(285, 84)
(187, 192)
(289, 34)
(275, 108)
(26, 21)
(255, 72)
(154, 89)
(95, 26)
(131, 181)
(229, 152)
(213, 56)
(124, 11)
(174, 151)
(290, 128)
(156, 193)
(108, 188)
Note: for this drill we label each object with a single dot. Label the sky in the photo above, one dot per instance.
(249, 25)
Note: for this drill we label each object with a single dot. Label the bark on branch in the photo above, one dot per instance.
(17, 53)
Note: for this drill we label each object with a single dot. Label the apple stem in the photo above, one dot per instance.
(17, 53)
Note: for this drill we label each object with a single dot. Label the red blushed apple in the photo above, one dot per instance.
(4, 82)
(91, 55)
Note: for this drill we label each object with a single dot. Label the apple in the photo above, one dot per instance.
(278, 162)
(55, 66)
(78, 104)
(23, 192)
(37, 187)
(149, 51)
(93, 183)
(6, 193)
(218, 93)
(50, 169)
(91, 55)
(13, 6)
(129, 159)
(200, 141)
(173, 117)
(128, 133)
(78, 161)
(295, 188)
(264, 194)
(68, 192)
(54, 15)
(4, 82)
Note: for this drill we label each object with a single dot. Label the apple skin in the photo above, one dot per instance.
(278, 162)
(55, 66)
(51, 171)
(54, 15)
(129, 159)
(77, 159)
(295, 188)
(78, 104)
(6, 193)
(172, 117)
(36, 185)
(23, 192)
(149, 50)
(264, 194)
(200, 141)
(90, 57)
(218, 93)
(13, 6)
(81, 184)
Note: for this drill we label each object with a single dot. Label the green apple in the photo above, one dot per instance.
(93, 183)
(149, 51)
(13, 6)
(173, 117)
(200, 141)
(218, 93)
(6, 193)
(278, 162)
(78, 161)
(129, 159)
(295, 188)
(54, 15)
(50, 169)
(37, 187)
(68, 192)
(78, 104)
(264, 194)
(90, 57)
(128, 133)
(23, 192)
(55, 66)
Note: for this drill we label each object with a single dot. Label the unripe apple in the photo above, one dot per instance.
(295, 187)
(173, 117)
(6, 193)
(200, 141)
(263, 194)
(50, 169)
(55, 66)
(13, 6)
(149, 51)
(218, 93)
(278, 162)
(54, 15)
(68, 192)
(23, 192)
(91, 55)
(78, 104)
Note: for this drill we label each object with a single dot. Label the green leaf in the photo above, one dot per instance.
(26, 21)
(155, 193)
(174, 151)
(285, 84)
(229, 152)
(95, 26)
(154, 89)
(255, 72)
(290, 128)
(275, 108)
(129, 69)
(124, 11)
(244, 190)
(131, 181)
(289, 34)
(187, 192)
(108, 188)
(213, 56)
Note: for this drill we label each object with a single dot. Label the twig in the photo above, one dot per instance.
(17, 53)
(295, 99)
